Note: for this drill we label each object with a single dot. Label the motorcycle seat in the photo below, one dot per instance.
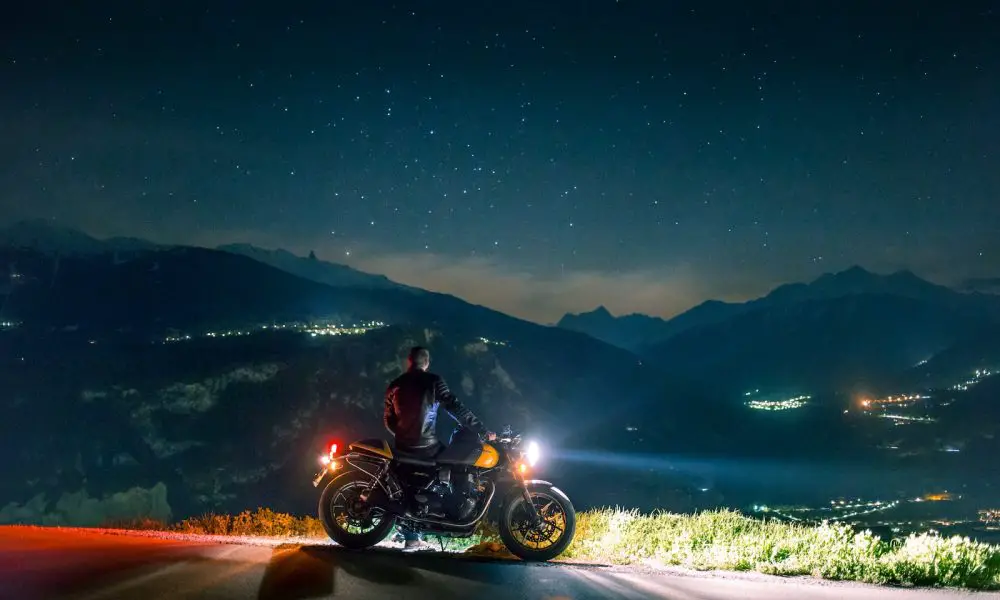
(409, 458)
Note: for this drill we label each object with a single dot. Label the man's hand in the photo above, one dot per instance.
(490, 436)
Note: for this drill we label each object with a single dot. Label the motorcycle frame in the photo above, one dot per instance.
(387, 481)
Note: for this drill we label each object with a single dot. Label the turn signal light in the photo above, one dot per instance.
(522, 468)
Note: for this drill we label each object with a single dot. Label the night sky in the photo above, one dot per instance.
(536, 157)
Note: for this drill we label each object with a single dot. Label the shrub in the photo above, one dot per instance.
(262, 522)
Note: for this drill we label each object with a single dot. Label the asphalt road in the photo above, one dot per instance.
(38, 563)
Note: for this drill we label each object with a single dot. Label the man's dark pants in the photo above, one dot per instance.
(462, 440)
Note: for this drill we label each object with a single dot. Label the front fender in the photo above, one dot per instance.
(516, 491)
(542, 482)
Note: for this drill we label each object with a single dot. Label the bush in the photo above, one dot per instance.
(263, 522)
(721, 539)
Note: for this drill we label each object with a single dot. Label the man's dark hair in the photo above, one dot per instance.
(419, 357)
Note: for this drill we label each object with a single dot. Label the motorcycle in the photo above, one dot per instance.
(375, 487)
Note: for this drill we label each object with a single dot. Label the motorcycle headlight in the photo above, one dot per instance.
(533, 453)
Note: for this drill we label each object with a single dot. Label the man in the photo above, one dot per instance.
(411, 406)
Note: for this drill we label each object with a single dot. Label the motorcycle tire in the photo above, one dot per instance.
(515, 500)
(354, 541)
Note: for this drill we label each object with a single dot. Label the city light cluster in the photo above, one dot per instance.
(900, 400)
(856, 512)
(977, 376)
(900, 419)
(8, 324)
(344, 329)
(492, 342)
(311, 329)
(775, 405)
(990, 517)
(838, 508)
(938, 497)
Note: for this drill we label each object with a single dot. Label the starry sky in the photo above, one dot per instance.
(536, 157)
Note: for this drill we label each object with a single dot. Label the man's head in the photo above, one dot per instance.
(419, 358)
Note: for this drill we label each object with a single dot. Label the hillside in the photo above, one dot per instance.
(831, 344)
(194, 290)
(46, 236)
(178, 288)
(979, 349)
(225, 423)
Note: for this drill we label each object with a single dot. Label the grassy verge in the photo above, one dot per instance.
(709, 540)
(728, 540)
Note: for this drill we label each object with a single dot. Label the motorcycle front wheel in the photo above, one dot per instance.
(349, 520)
(540, 540)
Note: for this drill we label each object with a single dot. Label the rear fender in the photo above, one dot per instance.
(372, 466)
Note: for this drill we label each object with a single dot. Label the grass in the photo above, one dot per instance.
(724, 540)
(731, 541)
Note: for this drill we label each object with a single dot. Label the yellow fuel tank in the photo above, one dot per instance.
(488, 458)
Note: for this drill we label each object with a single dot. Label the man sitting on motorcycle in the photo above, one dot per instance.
(411, 406)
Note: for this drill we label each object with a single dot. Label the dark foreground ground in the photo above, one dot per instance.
(38, 563)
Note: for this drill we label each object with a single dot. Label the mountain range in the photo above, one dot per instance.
(130, 411)
(842, 329)
(47, 237)
(847, 328)
(638, 332)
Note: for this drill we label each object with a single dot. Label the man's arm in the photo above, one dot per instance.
(389, 418)
(455, 408)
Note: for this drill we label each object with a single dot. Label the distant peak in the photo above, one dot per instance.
(597, 315)
(855, 271)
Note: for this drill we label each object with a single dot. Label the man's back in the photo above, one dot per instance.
(411, 405)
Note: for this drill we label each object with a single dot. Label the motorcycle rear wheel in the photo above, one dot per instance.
(558, 517)
(342, 493)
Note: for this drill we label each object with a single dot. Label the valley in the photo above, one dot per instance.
(199, 397)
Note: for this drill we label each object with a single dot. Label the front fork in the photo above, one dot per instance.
(532, 510)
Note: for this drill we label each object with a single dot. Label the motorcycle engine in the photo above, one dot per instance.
(444, 497)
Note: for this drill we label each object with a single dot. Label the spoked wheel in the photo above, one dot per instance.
(350, 520)
(543, 538)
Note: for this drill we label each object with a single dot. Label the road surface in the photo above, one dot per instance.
(38, 563)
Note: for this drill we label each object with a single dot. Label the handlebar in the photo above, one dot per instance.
(508, 436)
